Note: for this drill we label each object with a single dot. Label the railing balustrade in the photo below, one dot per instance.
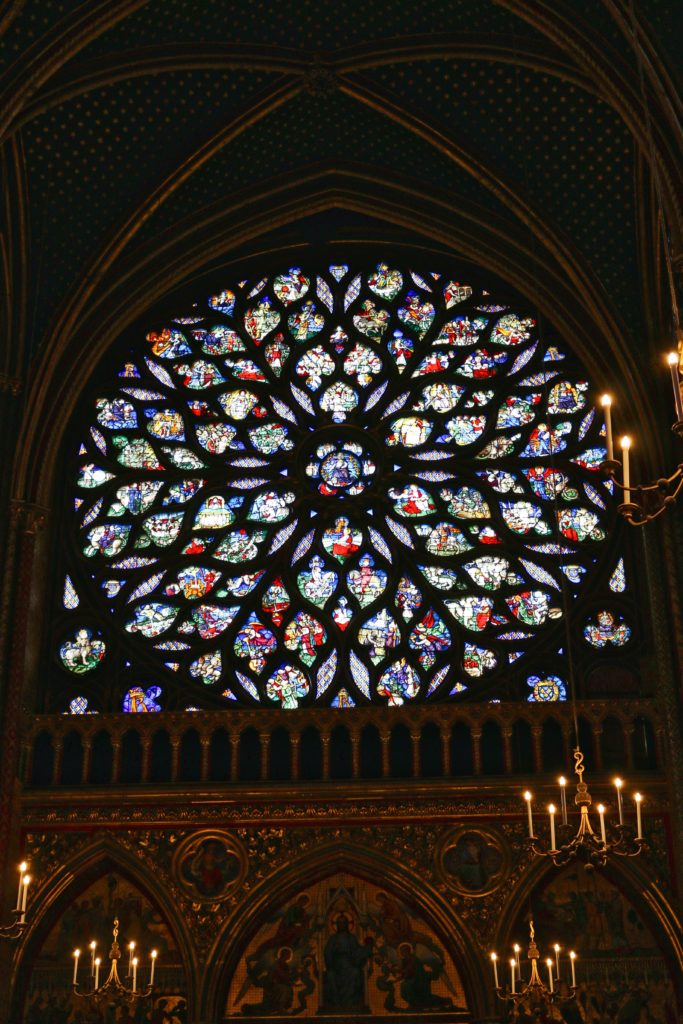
(321, 744)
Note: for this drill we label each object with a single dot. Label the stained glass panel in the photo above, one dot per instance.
(337, 486)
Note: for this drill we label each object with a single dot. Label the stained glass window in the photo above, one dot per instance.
(335, 486)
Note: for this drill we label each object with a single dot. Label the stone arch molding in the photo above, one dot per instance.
(59, 888)
(637, 882)
(359, 865)
(110, 304)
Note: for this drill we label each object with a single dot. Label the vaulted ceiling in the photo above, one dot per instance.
(146, 141)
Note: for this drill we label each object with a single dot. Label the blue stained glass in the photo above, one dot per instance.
(258, 287)
(420, 281)
(249, 483)
(594, 495)
(379, 543)
(99, 440)
(78, 706)
(223, 302)
(282, 536)
(246, 682)
(546, 688)
(586, 424)
(361, 676)
(324, 293)
(374, 396)
(439, 677)
(147, 587)
(303, 399)
(355, 453)
(523, 358)
(303, 546)
(70, 598)
(397, 404)
(352, 292)
(129, 370)
(539, 574)
(539, 378)
(134, 562)
(342, 699)
(90, 516)
(617, 581)
(160, 373)
(399, 532)
(326, 673)
(138, 700)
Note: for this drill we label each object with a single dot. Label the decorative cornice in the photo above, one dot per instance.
(336, 802)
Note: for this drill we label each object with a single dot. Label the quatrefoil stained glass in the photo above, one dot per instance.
(335, 487)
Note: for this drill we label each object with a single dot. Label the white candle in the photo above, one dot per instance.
(97, 972)
(135, 973)
(556, 947)
(24, 895)
(22, 872)
(549, 965)
(638, 798)
(494, 959)
(572, 958)
(606, 403)
(563, 798)
(516, 949)
(131, 947)
(154, 960)
(601, 812)
(618, 783)
(93, 947)
(77, 953)
(512, 974)
(673, 361)
(625, 447)
(527, 797)
(551, 812)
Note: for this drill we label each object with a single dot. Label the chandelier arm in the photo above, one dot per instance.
(16, 928)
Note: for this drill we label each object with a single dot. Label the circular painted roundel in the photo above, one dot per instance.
(337, 487)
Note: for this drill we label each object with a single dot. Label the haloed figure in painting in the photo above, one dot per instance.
(345, 960)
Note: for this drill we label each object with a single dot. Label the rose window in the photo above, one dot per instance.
(338, 488)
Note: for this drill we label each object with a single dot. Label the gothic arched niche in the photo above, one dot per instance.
(335, 485)
(89, 917)
(621, 971)
(344, 945)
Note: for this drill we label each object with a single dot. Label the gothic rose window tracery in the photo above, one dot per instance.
(338, 488)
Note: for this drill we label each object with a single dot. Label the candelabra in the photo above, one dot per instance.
(533, 996)
(113, 991)
(644, 502)
(568, 842)
(14, 930)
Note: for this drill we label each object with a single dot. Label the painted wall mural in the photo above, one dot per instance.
(90, 918)
(342, 946)
(622, 976)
